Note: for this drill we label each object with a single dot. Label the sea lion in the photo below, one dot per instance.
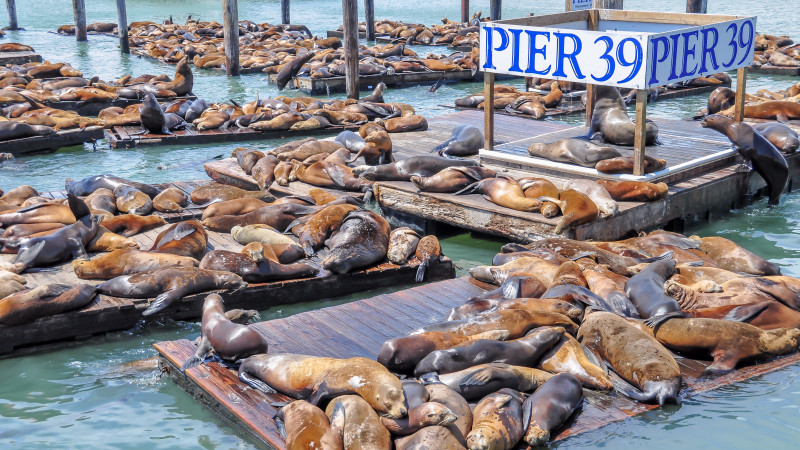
(465, 140)
(362, 426)
(127, 261)
(764, 157)
(522, 352)
(475, 306)
(182, 82)
(569, 273)
(478, 381)
(535, 187)
(264, 234)
(535, 266)
(131, 224)
(424, 415)
(276, 216)
(452, 436)
(544, 253)
(571, 248)
(309, 149)
(260, 271)
(642, 368)
(132, 201)
(731, 256)
(88, 185)
(16, 196)
(634, 191)
(290, 69)
(235, 207)
(646, 291)
(43, 301)
(362, 240)
(498, 421)
(10, 130)
(264, 171)
(782, 137)
(452, 179)
(404, 353)
(413, 122)
(377, 94)
(403, 170)
(567, 356)
(610, 121)
(721, 99)
(780, 110)
(576, 208)
(8, 286)
(169, 285)
(39, 213)
(549, 407)
(305, 426)
(428, 251)
(279, 253)
(317, 379)
(576, 151)
(102, 200)
(503, 191)
(228, 340)
(402, 244)
(106, 241)
(187, 238)
(624, 165)
(321, 225)
(152, 117)
(170, 200)
(221, 192)
(596, 192)
(517, 322)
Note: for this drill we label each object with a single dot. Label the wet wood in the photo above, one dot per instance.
(488, 111)
(495, 8)
(774, 70)
(122, 27)
(464, 11)
(79, 12)
(285, 6)
(741, 91)
(369, 18)
(350, 22)
(322, 86)
(19, 57)
(697, 6)
(11, 7)
(641, 134)
(230, 27)
(359, 329)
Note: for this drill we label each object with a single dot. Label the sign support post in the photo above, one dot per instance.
(640, 137)
(488, 111)
(741, 85)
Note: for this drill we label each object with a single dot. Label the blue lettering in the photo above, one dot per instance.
(515, 51)
(489, 50)
(687, 51)
(534, 50)
(672, 74)
(606, 56)
(572, 57)
(746, 46)
(708, 49)
(656, 59)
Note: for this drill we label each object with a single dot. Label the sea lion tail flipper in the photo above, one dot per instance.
(594, 359)
(472, 188)
(746, 313)
(477, 378)
(255, 383)
(656, 321)
(308, 249)
(527, 410)
(439, 83)
(165, 130)
(26, 257)
(320, 393)
(619, 303)
(724, 362)
(441, 147)
(511, 290)
(780, 292)
(429, 378)
(665, 255)
(77, 250)
(77, 206)
(336, 177)
(280, 425)
(338, 418)
(368, 195)
(161, 302)
(421, 272)
(294, 223)
(583, 255)
(627, 389)
(555, 201)
(182, 230)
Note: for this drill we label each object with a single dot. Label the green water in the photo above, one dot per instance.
(91, 396)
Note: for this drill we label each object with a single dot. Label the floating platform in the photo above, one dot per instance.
(242, 70)
(106, 314)
(93, 109)
(132, 136)
(359, 329)
(775, 70)
(322, 86)
(52, 142)
(386, 39)
(701, 175)
(19, 58)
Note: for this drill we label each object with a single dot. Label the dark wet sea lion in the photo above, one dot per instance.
(610, 119)
(624, 165)
(317, 379)
(305, 426)
(404, 353)
(170, 200)
(187, 238)
(290, 69)
(230, 341)
(362, 241)
(498, 421)
(132, 201)
(452, 436)
(127, 261)
(567, 356)
(422, 166)
(222, 192)
(765, 158)
(252, 271)
(43, 301)
(576, 151)
(276, 216)
(549, 407)
(577, 209)
(478, 381)
(152, 116)
(362, 425)
(634, 191)
(102, 200)
(721, 99)
(646, 290)
(88, 185)
(465, 140)
(169, 285)
(642, 368)
(730, 256)
(16, 130)
(376, 95)
(782, 137)
(235, 207)
(452, 179)
(130, 224)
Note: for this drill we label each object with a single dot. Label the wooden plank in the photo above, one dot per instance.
(19, 57)
(741, 93)
(50, 143)
(641, 132)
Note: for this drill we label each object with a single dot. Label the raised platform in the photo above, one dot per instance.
(19, 57)
(359, 329)
(52, 142)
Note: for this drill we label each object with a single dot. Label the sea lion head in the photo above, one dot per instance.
(432, 414)
(365, 172)
(150, 101)
(230, 281)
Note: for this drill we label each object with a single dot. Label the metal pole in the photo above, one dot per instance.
(488, 110)
(465, 11)
(369, 13)
(285, 12)
(494, 7)
(741, 88)
(122, 28)
(350, 22)
(12, 15)
(696, 6)
(230, 28)
(79, 11)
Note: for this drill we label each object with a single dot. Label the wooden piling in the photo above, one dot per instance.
(11, 6)
(607, 4)
(122, 27)
(464, 10)
(369, 20)
(230, 27)
(488, 111)
(350, 22)
(741, 85)
(285, 12)
(696, 6)
(641, 132)
(79, 12)
(592, 24)
(494, 7)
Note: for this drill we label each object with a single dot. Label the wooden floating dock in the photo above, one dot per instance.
(93, 109)
(386, 39)
(52, 142)
(706, 181)
(775, 70)
(132, 136)
(359, 329)
(242, 70)
(14, 58)
(321, 86)
(106, 314)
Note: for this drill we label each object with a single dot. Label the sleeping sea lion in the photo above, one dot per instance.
(260, 271)
(127, 261)
(131, 224)
(465, 140)
(549, 407)
(576, 151)
(187, 238)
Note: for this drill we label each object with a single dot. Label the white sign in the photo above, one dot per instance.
(580, 5)
(629, 59)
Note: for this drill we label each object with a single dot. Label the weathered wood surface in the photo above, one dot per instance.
(775, 70)
(93, 109)
(50, 143)
(318, 86)
(386, 39)
(79, 11)
(358, 329)
(242, 70)
(19, 57)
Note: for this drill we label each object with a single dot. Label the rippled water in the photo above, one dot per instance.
(99, 394)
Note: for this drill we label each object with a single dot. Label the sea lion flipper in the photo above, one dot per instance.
(511, 290)
(319, 394)
(627, 389)
(336, 177)
(280, 426)
(655, 321)
(255, 383)
(527, 409)
(746, 313)
(77, 206)
(421, 272)
(182, 230)
(77, 250)
(162, 301)
(594, 358)
(469, 189)
(477, 378)
(724, 362)
(26, 257)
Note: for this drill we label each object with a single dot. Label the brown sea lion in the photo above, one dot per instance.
(517, 322)
(646, 370)
(543, 253)
(264, 171)
(39, 213)
(541, 268)
(318, 379)
(498, 421)
(781, 136)
(90, 184)
(28, 229)
(404, 353)
(624, 165)
(305, 426)
(503, 191)
(170, 200)
(549, 407)
(570, 248)
(132, 201)
(428, 251)
(264, 234)
(222, 192)
(362, 426)
(576, 208)
(424, 415)
(362, 240)
(321, 225)
(128, 261)
(634, 191)
(576, 151)
(235, 207)
(43, 301)
(102, 200)
(18, 195)
(130, 224)
(596, 193)
(567, 356)
(569, 273)
(279, 253)
(187, 238)
(478, 381)
(541, 187)
(403, 124)
(610, 121)
(733, 257)
(780, 110)
(169, 285)
(182, 82)
(476, 306)
(402, 244)
(331, 175)
(403, 170)
(308, 149)
(524, 351)
(260, 271)
(9, 286)
(452, 436)
(276, 216)
(106, 241)
(452, 179)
